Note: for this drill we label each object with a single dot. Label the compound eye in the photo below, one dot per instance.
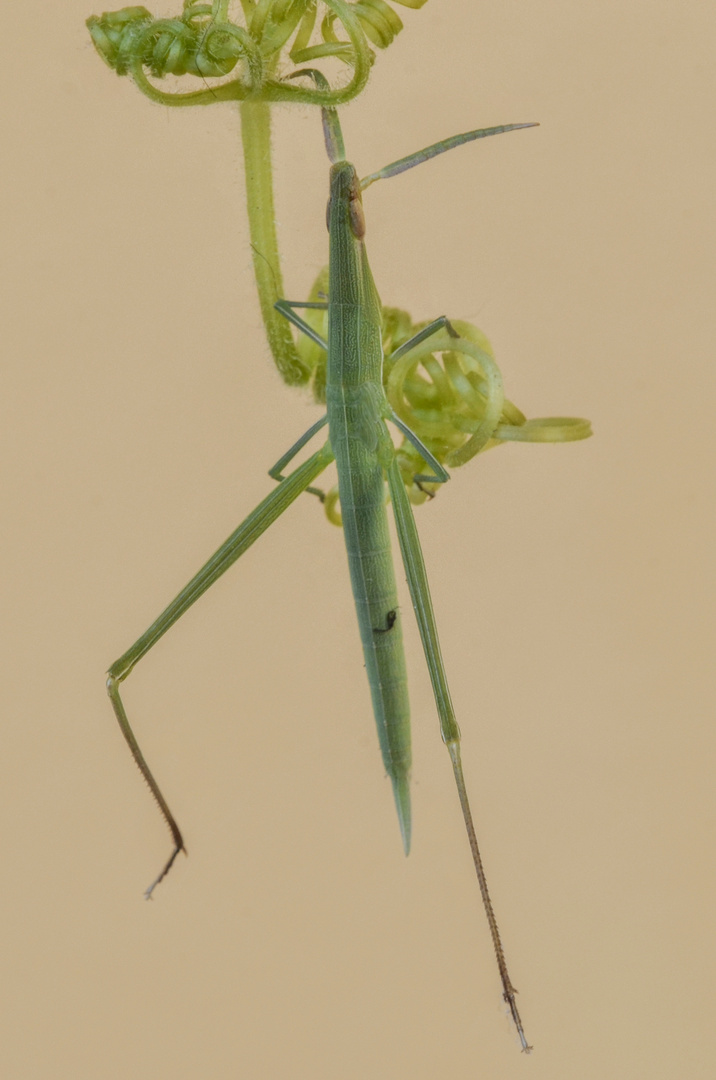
(357, 217)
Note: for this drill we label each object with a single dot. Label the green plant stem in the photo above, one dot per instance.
(256, 139)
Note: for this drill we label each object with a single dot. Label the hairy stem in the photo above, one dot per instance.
(256, 139)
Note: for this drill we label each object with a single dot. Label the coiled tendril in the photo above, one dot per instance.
(447, 390)
(206, 43)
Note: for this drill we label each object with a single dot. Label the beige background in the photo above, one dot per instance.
(573, 585)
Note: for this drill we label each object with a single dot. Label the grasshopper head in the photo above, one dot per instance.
(345, 205)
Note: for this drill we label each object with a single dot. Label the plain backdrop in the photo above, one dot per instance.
(573, 585)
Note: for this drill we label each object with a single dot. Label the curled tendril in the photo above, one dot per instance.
(205, 42)
(380, 23)
(447, 390)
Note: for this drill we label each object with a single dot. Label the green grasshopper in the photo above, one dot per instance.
(360, 444)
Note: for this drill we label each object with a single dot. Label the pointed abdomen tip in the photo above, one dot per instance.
(401, 792)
